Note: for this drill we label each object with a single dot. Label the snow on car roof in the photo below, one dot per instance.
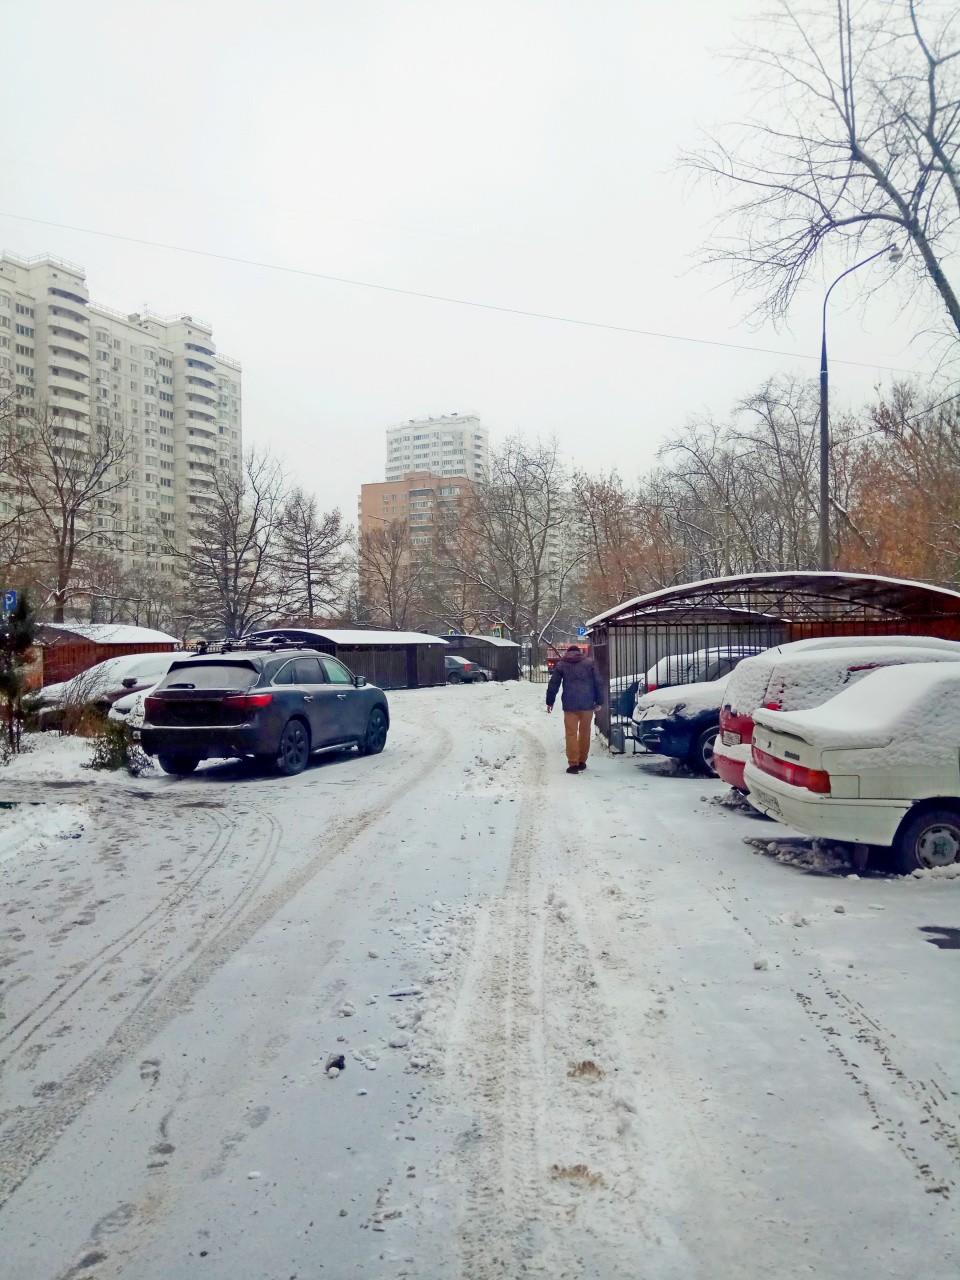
(918, 703)
(751, 678)
(111, 632)
(809, 679)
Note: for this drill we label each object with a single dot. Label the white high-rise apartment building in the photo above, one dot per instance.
(157, 378)
(454, 445)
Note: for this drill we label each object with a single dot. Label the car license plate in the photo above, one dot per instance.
(731, 739)
(768, 803)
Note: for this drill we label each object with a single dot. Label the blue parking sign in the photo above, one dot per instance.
(9, 601)
(581, 631)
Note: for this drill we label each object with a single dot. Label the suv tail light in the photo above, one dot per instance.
(797, 775)
(150, 705)
(247, 701)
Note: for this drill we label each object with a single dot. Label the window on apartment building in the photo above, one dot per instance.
(149, 391)
(133, 386)
(26, 392)
(4, 322)
(24, 310)
(4, 342)
(133, 348)
(26, 330)
(23, 350)
(4, 300)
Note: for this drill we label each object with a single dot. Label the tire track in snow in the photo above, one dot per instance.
(495, 1047)
(34, 1131)
(111, 951)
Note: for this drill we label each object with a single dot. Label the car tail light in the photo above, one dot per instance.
(651, 686)
(150, 705)
(735, 726)
(247, 701)
(797, 775)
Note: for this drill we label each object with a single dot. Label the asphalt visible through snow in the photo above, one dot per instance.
(449, 1012)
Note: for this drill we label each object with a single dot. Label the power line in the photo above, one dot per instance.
(436, 297)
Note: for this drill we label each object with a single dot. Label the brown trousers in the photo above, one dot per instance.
(576, 725)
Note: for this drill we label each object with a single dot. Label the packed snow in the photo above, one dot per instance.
(450, 1012)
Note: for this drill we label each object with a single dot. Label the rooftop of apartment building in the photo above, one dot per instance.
(146, 320)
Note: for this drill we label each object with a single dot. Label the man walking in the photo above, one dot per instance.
(582, 692)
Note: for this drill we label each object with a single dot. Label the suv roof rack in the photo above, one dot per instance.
(248, 646)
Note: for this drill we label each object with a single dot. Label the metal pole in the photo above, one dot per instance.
(824, 452)
(825, 562)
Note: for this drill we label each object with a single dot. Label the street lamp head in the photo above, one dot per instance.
(895, 254)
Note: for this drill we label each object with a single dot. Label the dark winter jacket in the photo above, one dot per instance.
(582, 690)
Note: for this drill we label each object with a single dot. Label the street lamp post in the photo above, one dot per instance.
(895, 256)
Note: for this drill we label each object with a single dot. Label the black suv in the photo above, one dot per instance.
(278, 705)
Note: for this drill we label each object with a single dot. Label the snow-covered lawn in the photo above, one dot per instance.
(585, 1029)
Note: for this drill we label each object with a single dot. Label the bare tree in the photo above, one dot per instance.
(313, 553)
(854, 141)
(743, 493)
(228, 556)
(68, 479)
(390, 577)
(513, 544)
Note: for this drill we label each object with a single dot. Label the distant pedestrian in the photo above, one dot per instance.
(582, 693)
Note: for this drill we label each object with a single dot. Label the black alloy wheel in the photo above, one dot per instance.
(701, 757)
(179, 763)
(294, 750)
(375, 738)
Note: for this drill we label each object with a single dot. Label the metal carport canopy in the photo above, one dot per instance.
(794, 596)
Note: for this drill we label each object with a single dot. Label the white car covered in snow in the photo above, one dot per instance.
(101, 685)
(878, 764)
(793, 677)
(130, 709)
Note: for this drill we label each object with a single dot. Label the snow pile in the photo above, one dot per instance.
(682, 700)
(936, 873)
(819, 856)
(46, 757)
(916, 706)
(33, 828)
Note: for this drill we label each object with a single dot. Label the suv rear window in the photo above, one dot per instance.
(211, 675)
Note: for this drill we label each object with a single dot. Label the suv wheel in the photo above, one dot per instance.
(928, 839)
(375, 739)
(178, 763)
(701, 757)
(294, 750)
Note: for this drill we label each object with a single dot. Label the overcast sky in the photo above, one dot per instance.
(520, 154)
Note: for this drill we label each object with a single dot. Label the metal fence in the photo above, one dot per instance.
(722, 620)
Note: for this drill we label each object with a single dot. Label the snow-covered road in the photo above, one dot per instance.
(586, 1030)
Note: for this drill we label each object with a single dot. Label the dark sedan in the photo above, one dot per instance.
(278, 705)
